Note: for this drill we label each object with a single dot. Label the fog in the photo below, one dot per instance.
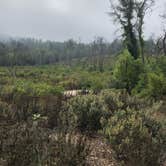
(60, 20)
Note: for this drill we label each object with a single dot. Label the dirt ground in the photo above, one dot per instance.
(101, 153)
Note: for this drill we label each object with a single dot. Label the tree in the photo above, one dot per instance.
(101, 47)
(161, 42)
(94, 52)
(141, 9)
(127, 72)
(150, 46)
(124, 13)
(163, 38)
(130, 14)
(69, 46)
(116, 46)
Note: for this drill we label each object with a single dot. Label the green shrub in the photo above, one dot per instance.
(140, 89)
(127, 71)
(135, 136)
(88, 111)
(151, 85)
(120, 99)
(156, 85)
(161, 64)
(156, 65)
(70, 84)
(28, 88)
(99, 82)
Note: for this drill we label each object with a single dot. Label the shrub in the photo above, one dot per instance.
(126, 72)
(97, 84)
(31, 143)
(161, 64)
(25, 144)
(151, 85)
(70, 149)
(88, 111)
(135, 136)
(27, 88)
(156, 85)
(120, 99)
(27, 98)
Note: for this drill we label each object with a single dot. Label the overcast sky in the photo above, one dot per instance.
(60, 20)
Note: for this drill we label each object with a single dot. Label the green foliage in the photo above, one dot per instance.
(161, 64)
(156, 85)
(127, 71)
(123, 12)
(121, 100)
(95, 81)
(151, 85)
(31, 96)
(88, 111)
(156, 65)
(97, 84)
(35, 89)
(152, 82)
(135, 136)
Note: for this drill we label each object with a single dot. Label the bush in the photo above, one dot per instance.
(112, 99)
(30, 143)
(151, 85)
(157, 65)
(98, 83)
(136, 137)
(26, 144)
(87, 111)
(27, 88)
(156, 85)
(126, 72)
(120, 99)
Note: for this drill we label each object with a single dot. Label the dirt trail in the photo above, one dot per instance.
(101, 154)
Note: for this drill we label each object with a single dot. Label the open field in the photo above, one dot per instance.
(58, 100)
(77, 92)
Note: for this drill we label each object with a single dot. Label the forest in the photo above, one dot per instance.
(86, 104)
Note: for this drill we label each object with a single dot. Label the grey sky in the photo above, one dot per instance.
(63, 19)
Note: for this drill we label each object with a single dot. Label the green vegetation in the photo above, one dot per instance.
(57, 99)
(87, 110)
(135, 135)
(127, 71)
(125, 104)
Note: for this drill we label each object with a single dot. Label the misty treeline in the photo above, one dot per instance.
(129, 14)
(36, 52)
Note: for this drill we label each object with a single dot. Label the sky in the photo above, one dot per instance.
(61, 20)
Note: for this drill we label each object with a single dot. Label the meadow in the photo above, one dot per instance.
(122, 111)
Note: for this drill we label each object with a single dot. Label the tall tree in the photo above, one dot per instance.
(163, 38)
(101, 47)
(93, 54)
(142, 7)
(123, 12)
(69, 46)
(130, 14)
